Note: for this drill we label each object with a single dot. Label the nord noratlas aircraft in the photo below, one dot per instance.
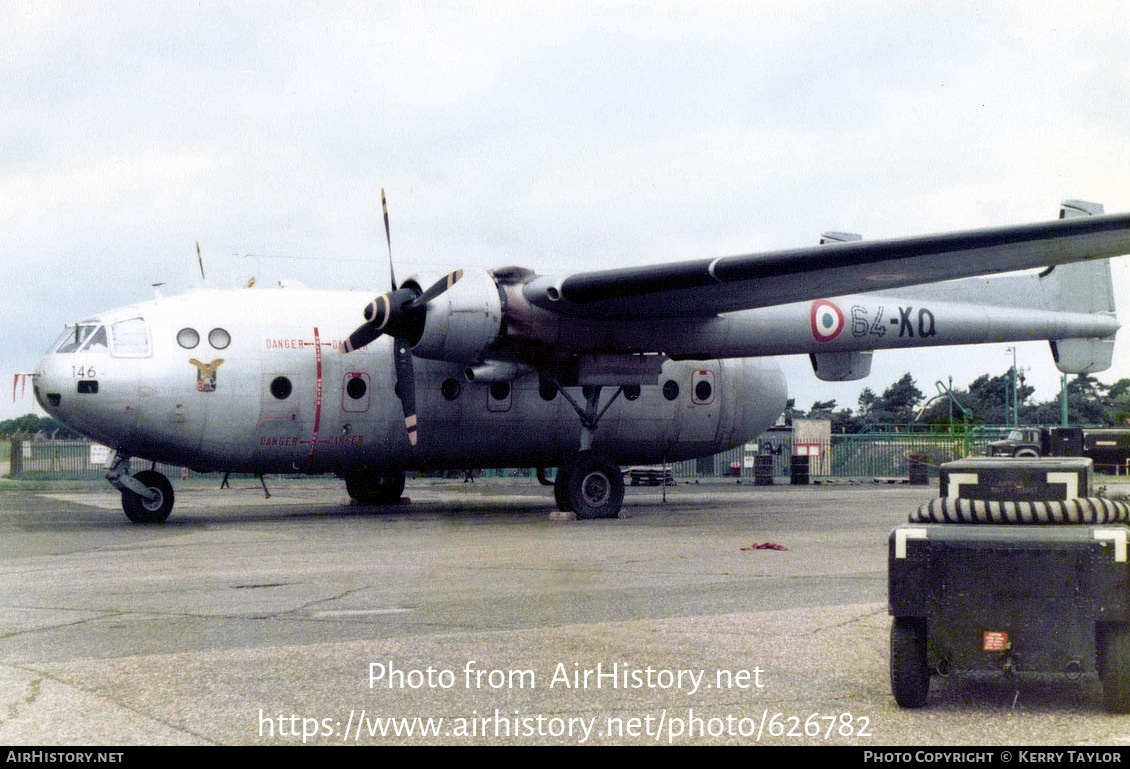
(583, 372)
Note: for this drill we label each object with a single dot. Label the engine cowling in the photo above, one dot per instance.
(463, 321)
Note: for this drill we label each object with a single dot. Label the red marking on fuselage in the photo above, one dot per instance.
(274, 343)
(282, 344)
(317, 394)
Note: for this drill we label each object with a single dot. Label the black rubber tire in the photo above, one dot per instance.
(137, 510)
(910, 677)
(1086, 511)
(375, 488)
(595, 487)
(560, 489)
(1113, 641)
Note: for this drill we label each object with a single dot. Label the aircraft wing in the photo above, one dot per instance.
(707, 287)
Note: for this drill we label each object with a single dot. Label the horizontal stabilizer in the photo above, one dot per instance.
(1082, 356)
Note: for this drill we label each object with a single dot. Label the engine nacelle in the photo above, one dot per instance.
(462, 321)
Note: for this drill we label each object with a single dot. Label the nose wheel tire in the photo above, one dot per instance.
(140, 510)
(592, 487)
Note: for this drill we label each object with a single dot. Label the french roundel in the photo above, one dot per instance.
(827, 320)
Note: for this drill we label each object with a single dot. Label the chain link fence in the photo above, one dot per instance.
(856, 455)
(859, 455)
(50, 459)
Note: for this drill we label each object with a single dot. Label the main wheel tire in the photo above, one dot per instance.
(910, 677)
(595, 487)
(561, 489)
(138, 510)
(1114, 665)
(375, 489)
(1026, 453)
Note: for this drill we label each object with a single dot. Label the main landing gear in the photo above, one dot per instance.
(589, 484)
(375, 488)
(147, 496)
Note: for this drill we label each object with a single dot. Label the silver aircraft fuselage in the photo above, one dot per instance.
(253, 381)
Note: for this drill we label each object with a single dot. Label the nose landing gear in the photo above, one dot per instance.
(147, 497)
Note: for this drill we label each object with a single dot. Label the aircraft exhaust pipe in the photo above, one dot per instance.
(496, 371)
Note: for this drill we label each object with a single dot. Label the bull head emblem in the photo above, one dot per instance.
(206, 374)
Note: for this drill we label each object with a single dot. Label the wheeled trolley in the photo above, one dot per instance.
(1013, 586)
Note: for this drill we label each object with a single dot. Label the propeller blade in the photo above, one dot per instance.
(436, 289)
(406, 388)
(395, 313)
(361, 337)
(377, 313)
(388, 239)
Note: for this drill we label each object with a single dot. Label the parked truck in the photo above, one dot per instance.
(1108, 447)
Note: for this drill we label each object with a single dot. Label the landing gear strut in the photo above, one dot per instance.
(589, 484)
(147, 497)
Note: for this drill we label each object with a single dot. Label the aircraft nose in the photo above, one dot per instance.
(48, 385)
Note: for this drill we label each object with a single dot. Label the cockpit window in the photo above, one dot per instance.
(97, 341)
(131, 338)
(76, 336)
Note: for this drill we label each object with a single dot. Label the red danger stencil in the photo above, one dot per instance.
(994, 641)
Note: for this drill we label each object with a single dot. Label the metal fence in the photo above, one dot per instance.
(884, 454)
(49, 459)
(872, 454)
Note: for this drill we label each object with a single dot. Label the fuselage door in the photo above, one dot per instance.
(702, 387)
(699, 406)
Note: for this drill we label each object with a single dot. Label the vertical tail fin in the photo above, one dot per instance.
(1080, 287)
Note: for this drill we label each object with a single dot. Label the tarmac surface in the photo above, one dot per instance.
(293, 619)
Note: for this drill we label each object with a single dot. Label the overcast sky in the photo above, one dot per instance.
(557, 136)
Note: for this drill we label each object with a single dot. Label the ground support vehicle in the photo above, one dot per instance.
(1012, 586)
(1108, 447)
(650, 476)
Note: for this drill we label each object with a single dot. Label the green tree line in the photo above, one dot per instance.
(30, 425)
(1089, 402)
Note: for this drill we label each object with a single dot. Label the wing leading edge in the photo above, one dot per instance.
(709, 286)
